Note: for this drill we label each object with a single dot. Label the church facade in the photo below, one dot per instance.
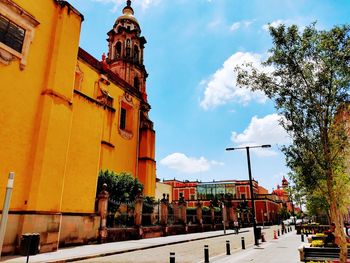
(65, 116)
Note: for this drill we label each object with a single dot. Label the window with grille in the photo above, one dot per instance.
(17, 29)
(11, 34)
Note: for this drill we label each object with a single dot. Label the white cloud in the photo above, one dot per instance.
(245, 23)
(235, 26)
(220, 88)
(147, 3)
(217, 163)
(190, 165)
(215, 23)
(119, 4)
(266, 130)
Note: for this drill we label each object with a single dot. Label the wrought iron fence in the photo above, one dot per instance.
(150, 214)
(121, 214)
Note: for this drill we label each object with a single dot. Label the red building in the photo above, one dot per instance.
(266, 205)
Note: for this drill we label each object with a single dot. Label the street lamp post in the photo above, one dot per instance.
(256, 242)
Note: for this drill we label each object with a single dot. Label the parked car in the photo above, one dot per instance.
(286, 222)
(306, 220)
(292, 219)
(299, 221)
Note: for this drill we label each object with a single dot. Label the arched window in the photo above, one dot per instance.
(136, 54)
(136, 83)
(128, 48)
(118, 50)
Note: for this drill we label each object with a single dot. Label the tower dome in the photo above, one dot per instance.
(127, 19)
(284, 182)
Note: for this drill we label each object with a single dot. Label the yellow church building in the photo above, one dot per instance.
(66, 115)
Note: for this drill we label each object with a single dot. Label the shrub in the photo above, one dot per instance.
(122, 187)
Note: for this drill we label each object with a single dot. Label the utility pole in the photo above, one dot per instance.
(5, 210)
(256, 242)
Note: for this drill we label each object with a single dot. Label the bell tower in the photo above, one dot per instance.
(125, 50)
(125, 58)
(284, 183)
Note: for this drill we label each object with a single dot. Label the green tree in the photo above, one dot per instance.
(148, 204)
(308, 77)
(283, 213)
(244, 209)
(317, 205)
(121, 187)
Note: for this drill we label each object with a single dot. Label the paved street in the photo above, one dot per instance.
(187, 248)
(275, 251)
(282, 250)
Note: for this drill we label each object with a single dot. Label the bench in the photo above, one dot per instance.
(322, 253)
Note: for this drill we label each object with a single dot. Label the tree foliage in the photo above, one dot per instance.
(317, 205)
(121, 187)
(283, 213)
(308, 75)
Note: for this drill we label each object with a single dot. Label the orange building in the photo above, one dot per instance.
(66, 115)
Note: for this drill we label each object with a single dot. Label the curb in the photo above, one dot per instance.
(143, 248)
(72, 258)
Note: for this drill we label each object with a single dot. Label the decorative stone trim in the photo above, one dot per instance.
(22, 18)
(84, 96)
(108, 144)
(57, 95)
(126, 134)
(127, 101)
(5, 56)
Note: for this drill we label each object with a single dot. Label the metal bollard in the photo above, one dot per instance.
(278, 232)
(228, 251)
(243, 243)
(206, 254)
(172, 257)
(302, 237)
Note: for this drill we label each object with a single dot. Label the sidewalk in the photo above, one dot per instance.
(284, 249)
(91, 251)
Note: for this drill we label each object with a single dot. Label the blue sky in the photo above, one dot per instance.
(191, 51)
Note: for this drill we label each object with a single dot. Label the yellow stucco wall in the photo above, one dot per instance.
(95, 142)
(56, 139)
(30, 112)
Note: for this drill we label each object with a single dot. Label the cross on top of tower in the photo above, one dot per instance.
(128, 2)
